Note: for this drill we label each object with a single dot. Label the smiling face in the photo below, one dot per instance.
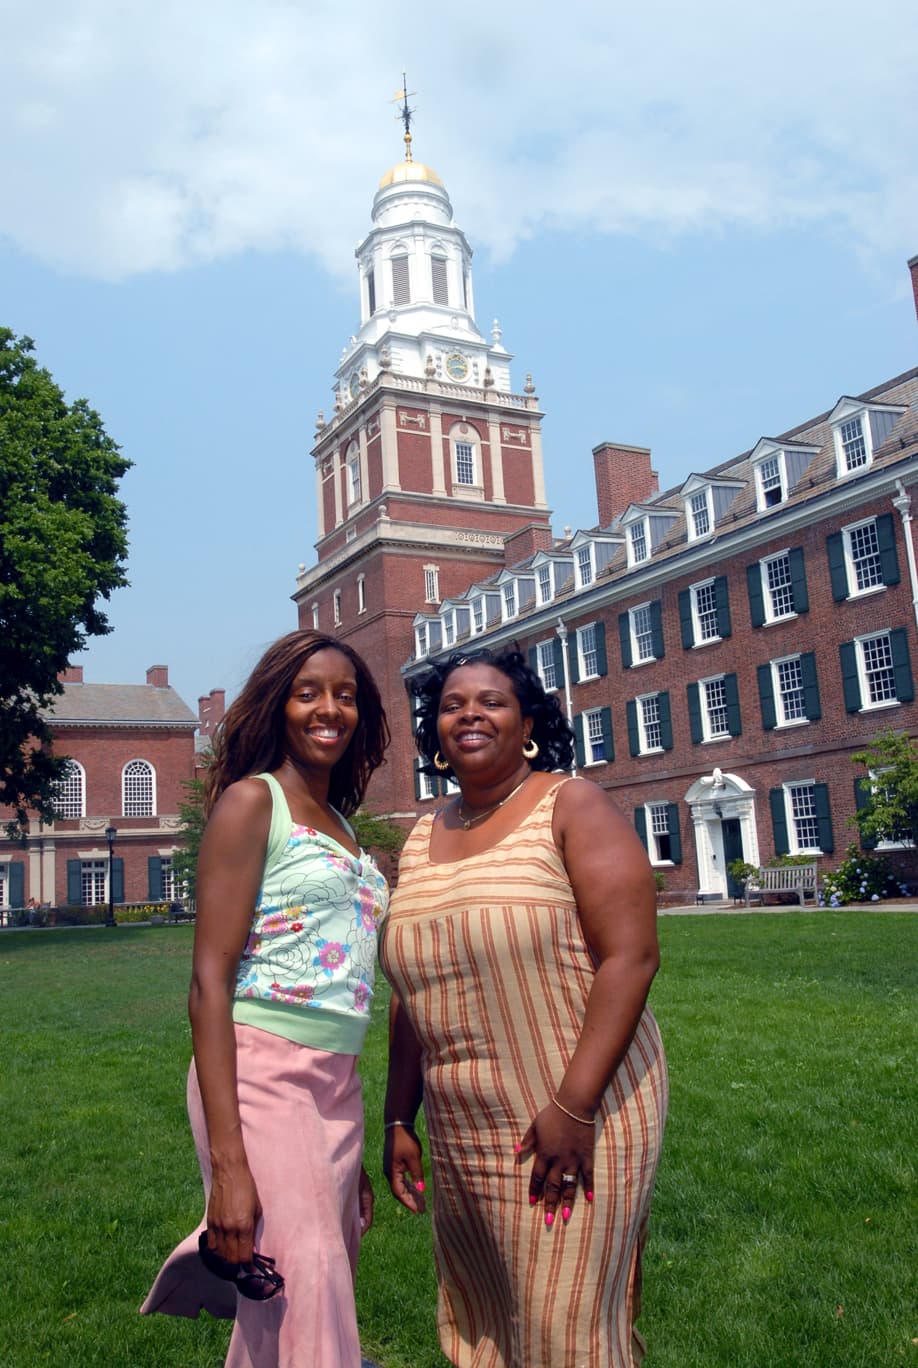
(320, 714)
(479, 722)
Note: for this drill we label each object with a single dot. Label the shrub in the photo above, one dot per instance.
(860, 878)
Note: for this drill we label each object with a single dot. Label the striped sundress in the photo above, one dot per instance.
(489, 960)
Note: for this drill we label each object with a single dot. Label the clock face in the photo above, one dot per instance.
(457, 368)
(354, 385)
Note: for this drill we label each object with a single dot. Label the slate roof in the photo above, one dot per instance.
(120, 705)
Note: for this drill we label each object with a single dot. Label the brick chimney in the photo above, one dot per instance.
(913, 268)
(211, 708)
(72, 675)
(623, 477)
(525, 542)
(158, 676)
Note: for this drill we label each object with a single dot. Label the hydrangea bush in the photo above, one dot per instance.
(861, 878)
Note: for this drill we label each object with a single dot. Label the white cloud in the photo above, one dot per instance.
(145, 138)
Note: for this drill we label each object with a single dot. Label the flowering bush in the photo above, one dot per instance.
(860, 878)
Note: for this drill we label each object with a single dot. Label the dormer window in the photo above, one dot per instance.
(853, 443)
(477, 615)
(420, 640)
(585, 571)
(770, 482)
(449, 629)
(860, 430)
(698, 514)
(509, 599)
(638, 549)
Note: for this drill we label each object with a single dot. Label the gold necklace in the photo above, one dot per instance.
(468, 822)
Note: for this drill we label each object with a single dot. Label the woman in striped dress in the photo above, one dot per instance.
(521, 945)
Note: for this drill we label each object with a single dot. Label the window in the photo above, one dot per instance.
(361, 593)
(852, 442)
(547, 663)
(93, 881)
(713, 706)
(876, 670)
(431, 584)
(371, 290)
(71, 793)
(449, 629)
(704, 612)
(789, 691)
(315, 617)
(336, 608)
(478, 615)
(650, 727)
(465, 463)
(899, 835)
(585, 574)
(353, 474)
(641, 634)
(699, 514)
(593, 733)
(637, 542)
(169, 884)
(801, 818)
(657, 824)
(862, 557)
(401, 284)
(425, 785)
(509, 599)
(544, 583)
(770, 482)
(420, 640)
(586, 650)
(777, 587)
(138, 798)
(438, 279)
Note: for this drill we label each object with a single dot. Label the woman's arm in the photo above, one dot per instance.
(230, 868)
(404, 1093)
(616, 903)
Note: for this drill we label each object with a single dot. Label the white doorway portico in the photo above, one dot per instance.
(723, 814)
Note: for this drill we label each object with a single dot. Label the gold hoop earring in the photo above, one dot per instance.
(440, 762)
(531, 749)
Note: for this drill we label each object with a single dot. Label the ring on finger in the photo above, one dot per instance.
(568, 1177)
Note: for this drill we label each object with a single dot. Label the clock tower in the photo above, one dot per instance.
(429, 472)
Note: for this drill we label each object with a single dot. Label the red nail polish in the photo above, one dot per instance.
(566, 1214)
(517, 1148)
(419, 1187)
(549, 1218)
(589, 1196)
(532, 1200)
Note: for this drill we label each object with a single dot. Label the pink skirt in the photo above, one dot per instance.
(302, 1124)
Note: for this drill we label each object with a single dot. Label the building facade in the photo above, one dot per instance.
(131, 746)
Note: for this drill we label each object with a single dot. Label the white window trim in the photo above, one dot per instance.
(315, 617)
(709, 735)
(654, 856)
(795, 847)
(770, 616)
(633, 560)
(638, 661)
(470, 438)
(841, 467)
(138, 759)
(421, 641)
(431, 581)
(697, 640)
(782, 722)
(75, 764)
(859, 643)
(514, 588)
(590, 549)
(850, 574)
(761, 505)
(549, 647)
(426, 784)
(875, 779)
(587, 626)
(361, 593)
(691, 534)
(336, 608)
(588, 760)
(477, 601)
(643, 747)
(551, 583)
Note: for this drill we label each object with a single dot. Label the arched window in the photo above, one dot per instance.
(353, 475)
(71, 793)
(138, 787)
(466, 459)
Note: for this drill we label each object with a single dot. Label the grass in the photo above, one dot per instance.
(784, 1219)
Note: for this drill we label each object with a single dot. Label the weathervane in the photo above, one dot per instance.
(405, 113)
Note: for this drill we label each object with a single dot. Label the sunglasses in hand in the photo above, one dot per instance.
(256, 1279)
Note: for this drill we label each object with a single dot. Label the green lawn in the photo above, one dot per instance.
(785, 1217)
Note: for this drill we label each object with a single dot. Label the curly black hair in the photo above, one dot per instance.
(550, 728)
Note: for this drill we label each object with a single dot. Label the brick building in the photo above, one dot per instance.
(721, 647)
(131, 746)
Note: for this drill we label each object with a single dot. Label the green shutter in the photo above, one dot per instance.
(811, 702)
(767, 697)
(118, 880)
(722, 600)
(886, 541)
(731, 692)
(779, 821)
(898, 644)
(798, 581)
(417, 780)
(666, 721)
(694, 713)
(863, 797)
(824, 818)
(640, 824)
(756, 597)
(606, 719)
(685, 618)
(558, 653)
(656, 629)
(675, 836)
(624, 636)
(850, 680)
(74, 882)
(634, 735)
(154, 877)
(838, 570)
(572, 660)
(532, 656)
(599, 636)
(578, 740)
(17, 883)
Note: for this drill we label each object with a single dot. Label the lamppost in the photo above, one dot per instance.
(110, 834)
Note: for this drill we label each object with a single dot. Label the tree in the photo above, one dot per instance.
(888, 796)
(185, 860)
(63, 547)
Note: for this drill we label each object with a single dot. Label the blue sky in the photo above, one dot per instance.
(692, 223)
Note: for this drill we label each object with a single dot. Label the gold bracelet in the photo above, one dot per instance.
(590, 1122)
(408, 1125)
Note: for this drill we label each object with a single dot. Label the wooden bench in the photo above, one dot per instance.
(799, 878)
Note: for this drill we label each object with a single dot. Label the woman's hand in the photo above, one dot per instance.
(233, 1212)
(365, 1199)
(403, 1168)
(563, 1160)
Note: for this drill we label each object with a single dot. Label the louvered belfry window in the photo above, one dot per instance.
(401, 286)
(438, 277)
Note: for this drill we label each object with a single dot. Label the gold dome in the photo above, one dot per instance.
(409, 171)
